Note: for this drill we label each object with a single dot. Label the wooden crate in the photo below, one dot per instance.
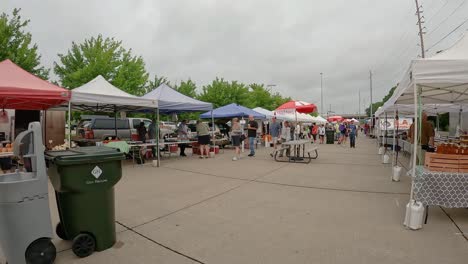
(446, 162)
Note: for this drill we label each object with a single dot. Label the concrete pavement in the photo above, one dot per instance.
(340, 208)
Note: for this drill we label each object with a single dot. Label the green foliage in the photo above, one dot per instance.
(15, 44)
(106, 57)
(221, 92)
(188, 88)
(376, 105)
(156, 82)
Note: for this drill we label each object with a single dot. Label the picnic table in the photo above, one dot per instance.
(297, 151)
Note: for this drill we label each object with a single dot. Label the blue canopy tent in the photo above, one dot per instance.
(231, 111)
(171, 101)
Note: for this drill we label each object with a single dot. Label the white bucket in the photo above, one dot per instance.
(267, 143)
(396, 173)
(212, 154)
(381, 150)
(154, 163)
(385, 159)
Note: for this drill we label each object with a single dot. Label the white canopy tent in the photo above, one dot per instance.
(441, 79)
(98, 95)
(318, 120)
(285, 116)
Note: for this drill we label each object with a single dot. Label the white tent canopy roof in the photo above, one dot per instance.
(98, 95)
(284, 116)
(319, 120)
(430, 109)
(441, 79)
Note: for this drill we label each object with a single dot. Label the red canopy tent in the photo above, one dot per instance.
(297, 106)
(22, 90)
(335, 119)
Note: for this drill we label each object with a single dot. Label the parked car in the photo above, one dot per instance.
(168, 125)
(104, 127)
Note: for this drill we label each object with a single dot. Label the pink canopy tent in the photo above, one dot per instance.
(20, 89)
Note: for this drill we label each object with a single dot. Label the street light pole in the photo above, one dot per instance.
(321, 93)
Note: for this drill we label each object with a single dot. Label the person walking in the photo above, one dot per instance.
(352, 134)
(182, 134)
(203, 132)
(285, 136)
(321, 132)
(315, 129)
(236, 133)
(275, 130)
(252, 134)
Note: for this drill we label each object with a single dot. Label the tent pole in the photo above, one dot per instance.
(213, 127)
(69, 124)
(397, 140)
(157, 138)
(415, 139)
(115, 121)
(394, 135)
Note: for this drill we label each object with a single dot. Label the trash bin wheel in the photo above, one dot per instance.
(83, 245)
(41, 251)
(60, 231)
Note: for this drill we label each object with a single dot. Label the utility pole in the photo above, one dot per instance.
(359, 111)
(321, 93)
(370, 79)
(421, 32)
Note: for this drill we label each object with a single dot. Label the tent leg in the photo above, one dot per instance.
(115, 121)
(394, 135)
(69, 125)
(157, 138)
(213, 129)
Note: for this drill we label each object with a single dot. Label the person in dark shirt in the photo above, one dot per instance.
(252, 134)
(141, 132)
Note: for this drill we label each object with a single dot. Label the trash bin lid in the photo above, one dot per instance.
(84, 155)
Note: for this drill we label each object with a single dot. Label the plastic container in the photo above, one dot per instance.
(396, 173)
(212, 154)
(385, 159)
(25, 225)
(381, 150)
(84, 181)
(414, 215)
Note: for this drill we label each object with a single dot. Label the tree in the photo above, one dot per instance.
(376, 105)
(189, 88)
(15, 44)
(106, 57)
(221, 92)
(156, 82)
(259, 96)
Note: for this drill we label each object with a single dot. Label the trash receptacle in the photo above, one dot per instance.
(25, 224)
(330, 136)
(84, 180)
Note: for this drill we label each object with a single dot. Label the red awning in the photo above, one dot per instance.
(20, 89)
(297, 106)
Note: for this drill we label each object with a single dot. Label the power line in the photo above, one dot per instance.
(448, 17)
(450, 33)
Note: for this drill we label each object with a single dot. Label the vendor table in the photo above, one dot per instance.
(446, 189)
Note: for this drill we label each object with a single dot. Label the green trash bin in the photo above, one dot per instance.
(330, 134)
(84, 180)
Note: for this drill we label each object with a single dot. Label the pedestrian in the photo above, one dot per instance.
(285, 136)
(297, 131)
(321, 132)
(342, 132)
(352, 134)
(426, 139)
(182, 134)
(337, 132)
(152, 136)
(236, 132)
(203, 133)
(141, 132)
(315, 129)
(252, 128)
(275, 132)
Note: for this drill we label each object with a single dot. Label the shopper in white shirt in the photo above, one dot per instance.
(321, 132)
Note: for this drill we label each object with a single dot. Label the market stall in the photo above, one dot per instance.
(171, 101)
(21, 90)
(441, 79)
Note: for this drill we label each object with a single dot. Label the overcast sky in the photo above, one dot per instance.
(286, 43)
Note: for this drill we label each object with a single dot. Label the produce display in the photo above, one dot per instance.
(7, 148)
